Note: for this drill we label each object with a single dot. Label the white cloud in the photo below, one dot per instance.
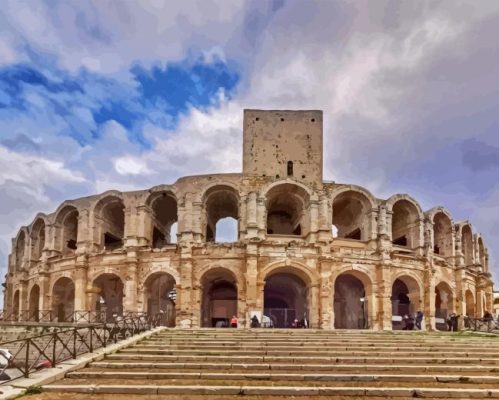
(131, 166)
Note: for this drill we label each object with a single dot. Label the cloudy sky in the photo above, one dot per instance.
(129, 94)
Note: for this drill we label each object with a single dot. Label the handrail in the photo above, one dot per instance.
(47, 350)
(481, 324)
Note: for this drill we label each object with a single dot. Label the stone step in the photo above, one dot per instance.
(298, 359)
(126, 375)
(414, 369)
(275, 390)
(300, 352)
(314, 345)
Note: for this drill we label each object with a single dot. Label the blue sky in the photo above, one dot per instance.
(127, 95)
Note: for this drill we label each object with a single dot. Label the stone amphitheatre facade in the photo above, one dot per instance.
(329, 251)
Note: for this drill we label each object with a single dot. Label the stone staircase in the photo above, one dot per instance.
(296, 363)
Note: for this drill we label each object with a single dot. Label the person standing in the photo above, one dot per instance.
(419, 319)
(233, 322)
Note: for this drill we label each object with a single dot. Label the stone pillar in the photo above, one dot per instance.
(45, 295)
(429, 299)
(383, 293)
(143, 228)
(81, 305)
(251, 276)
(326, 295)
(372, 228)
(382, 223)
(186, 317)
(314, 306)
(325, 219)
(23, 299)
(314, 220)
(261, 215)
(251, 216)
(130, 284)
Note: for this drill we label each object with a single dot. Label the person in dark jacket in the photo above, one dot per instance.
(419, 319)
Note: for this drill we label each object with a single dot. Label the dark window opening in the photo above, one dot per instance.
(436, 249)
(210, 237)
(290, 168)
(71, 244)
(401, 241)
(297, 230)
(112, 242)
(355, 234)
(158, 238)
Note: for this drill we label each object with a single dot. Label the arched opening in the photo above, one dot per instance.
(467, 244)
(442, 234)
(286, 210)
(37, 239)
(63, 300)
(15, 306)
(350, 303)
(219, 298)
(406, 300)
(67, 221)
(161, 296)
(34, 301)
(285, 299)
(444, 305)
(350, 215)
(481, 253)
(221, 204)
(470, 304)
(405, 224)
(111, 212)
(20, 246)
(110, 295)
(164, 215)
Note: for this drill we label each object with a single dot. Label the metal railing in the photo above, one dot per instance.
(481, 324)
(22, 357)
(52, 316)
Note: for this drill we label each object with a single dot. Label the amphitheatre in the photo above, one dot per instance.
(330, 253)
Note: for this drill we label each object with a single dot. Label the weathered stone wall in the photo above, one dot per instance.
(441, 266)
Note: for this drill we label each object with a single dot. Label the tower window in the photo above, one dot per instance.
(290, 168)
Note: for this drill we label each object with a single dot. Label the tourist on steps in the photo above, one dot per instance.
(419, 319)
(233, 322)
(254, 322)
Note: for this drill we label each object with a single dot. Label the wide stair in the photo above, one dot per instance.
(296, 363)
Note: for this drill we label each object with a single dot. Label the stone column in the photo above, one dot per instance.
(326, 295)
(186, 317)
(81, 307)
(261, 215)
(251, 277)
(131, 279)
(429, 299)
(314, 306)
(251, 216)
(325, 219)
(314, 220)
(383, 293)
(45, 295)
(23, 299)
(143, 228)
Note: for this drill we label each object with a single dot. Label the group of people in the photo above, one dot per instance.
(412, 321)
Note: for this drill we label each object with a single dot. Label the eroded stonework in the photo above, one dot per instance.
(327, 252)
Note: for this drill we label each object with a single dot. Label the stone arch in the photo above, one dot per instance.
(164, 214)
(20, 248)
(406, 217)
(406, 297)
(352, 208)
(38, 237)
(308, 275)
(481, 252)
(442, 232)
(109, 288)
(287, 295)
(160, 296)
(287, 205)
(63, 299)
(469, 298)
(467, 242)
(66, 221)
(219, 297)
(444, 304)
(220, 202)
(109, 216)
(34, 303)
